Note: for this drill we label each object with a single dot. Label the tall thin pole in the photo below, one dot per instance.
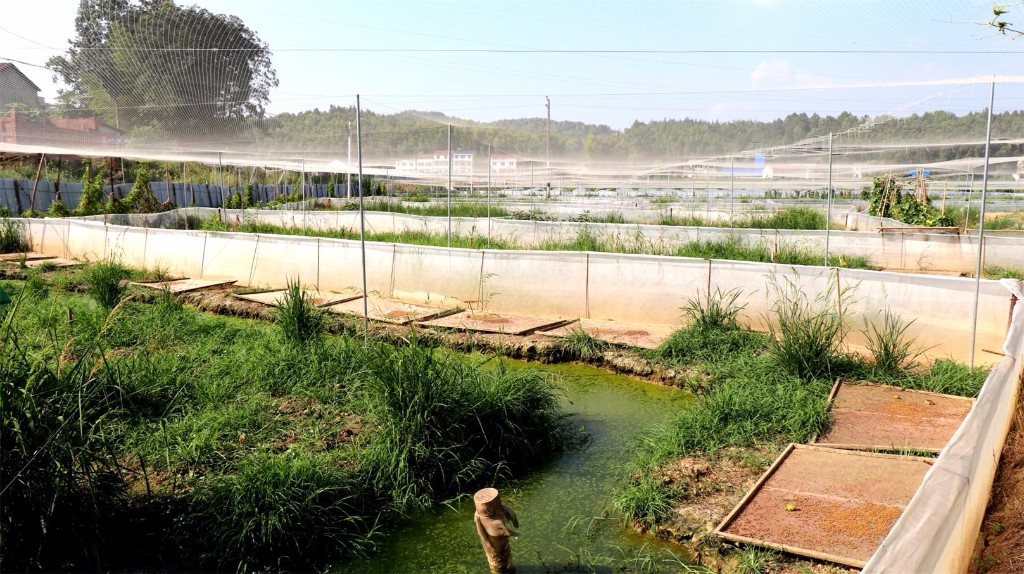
(348, 164)
(828, 201)
(488, 195)
(220, 171)
(981, 221)
(449, 185)
(362, 225)
(547, 145)
(732, 191)
(303, 183)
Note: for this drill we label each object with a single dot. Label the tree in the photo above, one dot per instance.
(155, 67)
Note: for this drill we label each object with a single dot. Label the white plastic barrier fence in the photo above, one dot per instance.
(633, 288)
(896, 248)
(939, 528)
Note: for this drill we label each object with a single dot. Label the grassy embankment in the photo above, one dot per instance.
(756, 393)
(151, 436)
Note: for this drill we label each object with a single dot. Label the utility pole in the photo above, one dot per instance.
(348, 169)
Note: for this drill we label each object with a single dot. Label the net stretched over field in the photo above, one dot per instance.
(167, 82)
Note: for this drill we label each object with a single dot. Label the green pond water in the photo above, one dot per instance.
(560, 505)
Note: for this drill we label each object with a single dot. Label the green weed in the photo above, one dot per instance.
(11, 239)
(300, 319)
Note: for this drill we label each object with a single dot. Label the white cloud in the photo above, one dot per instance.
(781, 74)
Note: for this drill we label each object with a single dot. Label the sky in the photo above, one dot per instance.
(605, 62)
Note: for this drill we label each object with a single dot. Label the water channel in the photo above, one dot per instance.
(560, 506)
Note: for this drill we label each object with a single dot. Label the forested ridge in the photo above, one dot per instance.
(410, 133)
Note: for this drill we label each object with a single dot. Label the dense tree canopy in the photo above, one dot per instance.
(154, 66)
(411, 133)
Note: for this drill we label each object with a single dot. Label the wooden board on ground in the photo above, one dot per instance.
(319, 298)
(27, 256)
(53, 262)
(869, 416)
(825, 503)
(391, 311)
(182, 285)
(495, 323)
(631, 334)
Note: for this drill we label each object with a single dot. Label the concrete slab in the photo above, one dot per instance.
(869, 416)
(182, 285)
(495, 323)
(29, 256)
(53, 261)
(391, 311)
(827, 504)
(319, 298)
(630, 334)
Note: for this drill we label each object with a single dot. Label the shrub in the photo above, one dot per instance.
(57, 209)
(91, 202)
(141, 196)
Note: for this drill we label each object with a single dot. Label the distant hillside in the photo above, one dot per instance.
(410, 133)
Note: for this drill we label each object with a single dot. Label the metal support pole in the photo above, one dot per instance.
(981, 222)
(828, 202)
(362, 226)
(732, 191)
(302, 179)
(348, 163)
(220, 171)
(488, 195)
(449, 185)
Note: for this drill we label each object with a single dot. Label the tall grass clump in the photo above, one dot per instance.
(282, 512)
(443, 425)
(57, 473)
(891, 347)
(582, 345)
(300, 319)
(712, 329)
(788, 218)
(107, 282)
(806, 334)
(11, 240)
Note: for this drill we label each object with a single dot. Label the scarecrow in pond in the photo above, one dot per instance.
(490, 518)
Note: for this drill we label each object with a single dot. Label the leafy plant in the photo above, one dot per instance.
(57, 209)
(141, 196)
(91, 201)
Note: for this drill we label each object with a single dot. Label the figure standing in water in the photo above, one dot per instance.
(490, 518)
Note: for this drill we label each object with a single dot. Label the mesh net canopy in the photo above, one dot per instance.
(163, 81)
